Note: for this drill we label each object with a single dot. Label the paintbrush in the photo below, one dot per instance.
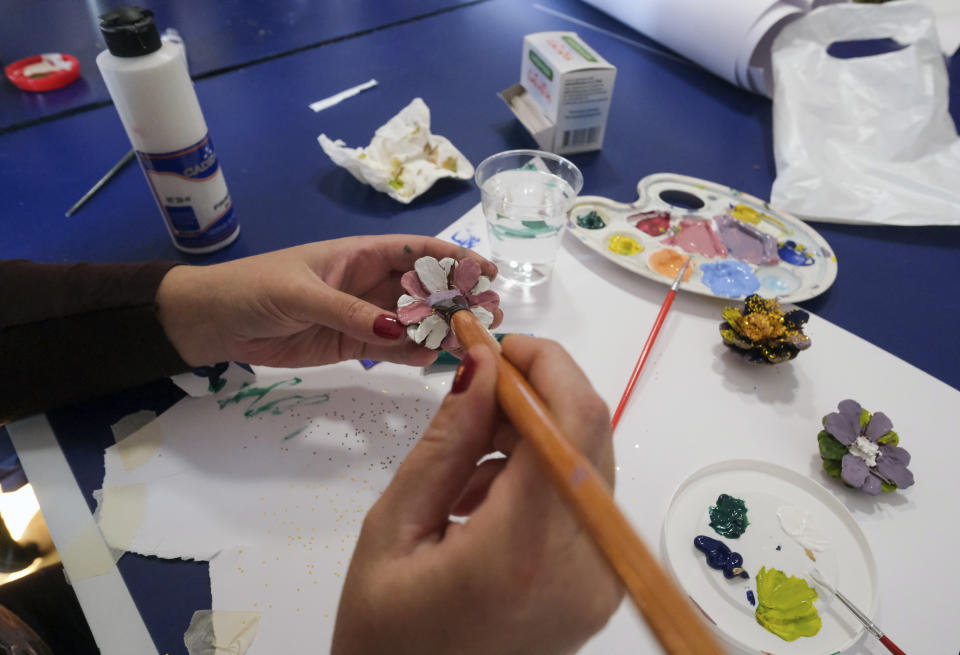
(103, 180)
(671, 617)
(872, 627)
(654, 331)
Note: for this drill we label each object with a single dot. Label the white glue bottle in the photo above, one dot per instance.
(153, 93)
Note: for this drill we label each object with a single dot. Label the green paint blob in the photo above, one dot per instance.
(591, 221)
(785, 605)
(276, 405)
(729, 516)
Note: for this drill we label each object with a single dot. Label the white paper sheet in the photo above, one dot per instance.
(278, 517)
(730, 39)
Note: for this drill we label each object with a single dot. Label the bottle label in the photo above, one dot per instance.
(192, 194)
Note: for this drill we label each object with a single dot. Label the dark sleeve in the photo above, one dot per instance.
(69, 332)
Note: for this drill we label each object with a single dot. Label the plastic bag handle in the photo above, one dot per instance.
(905, 23)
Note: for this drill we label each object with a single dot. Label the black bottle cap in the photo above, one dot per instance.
(130, 32)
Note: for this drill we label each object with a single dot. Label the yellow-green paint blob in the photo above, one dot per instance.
(624, 245)
(785, 605)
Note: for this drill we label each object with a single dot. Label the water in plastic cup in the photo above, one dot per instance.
(525, 196)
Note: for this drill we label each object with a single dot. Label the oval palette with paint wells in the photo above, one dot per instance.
(737, 243)
(792, 524)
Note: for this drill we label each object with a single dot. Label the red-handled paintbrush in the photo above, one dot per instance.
(649, 344)
(871, 627)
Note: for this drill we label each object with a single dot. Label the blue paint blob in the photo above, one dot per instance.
(780, 282)
(730, 279)
(750, 597)
(720, 557)
(795, 253)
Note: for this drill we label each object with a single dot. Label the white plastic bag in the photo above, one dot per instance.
(870, 139)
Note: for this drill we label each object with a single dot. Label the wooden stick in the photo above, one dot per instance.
(672, 618)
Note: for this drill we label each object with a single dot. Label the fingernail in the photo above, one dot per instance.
(464, 374)
(388, 327)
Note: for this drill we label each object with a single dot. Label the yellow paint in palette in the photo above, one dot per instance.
(624, 245)
(748, 214)
(785, 605)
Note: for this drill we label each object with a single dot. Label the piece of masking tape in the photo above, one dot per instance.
(120, 514)
(86, 554)
(136, 449)
(115, 553)
(221, 632)
(131, 423)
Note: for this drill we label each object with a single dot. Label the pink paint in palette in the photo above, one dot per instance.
(737, 243)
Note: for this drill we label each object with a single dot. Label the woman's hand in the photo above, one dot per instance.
(314, 304)
(520, 576)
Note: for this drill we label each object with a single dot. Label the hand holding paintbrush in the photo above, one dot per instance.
(520, 575)
(671, 617)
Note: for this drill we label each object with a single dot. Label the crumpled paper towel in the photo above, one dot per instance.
(404, 159)
(868, 139)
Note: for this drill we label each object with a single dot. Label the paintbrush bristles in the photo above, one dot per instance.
(673, 620)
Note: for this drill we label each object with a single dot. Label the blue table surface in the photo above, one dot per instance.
(218, 35)
(894, 286)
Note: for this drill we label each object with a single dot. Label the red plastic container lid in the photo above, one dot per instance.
(46, 72)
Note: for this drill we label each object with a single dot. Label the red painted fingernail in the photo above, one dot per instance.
(464, 374)
(388, 327)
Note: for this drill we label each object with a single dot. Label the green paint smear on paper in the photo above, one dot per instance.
(729, 516)
(295, 433)
(275, 406)
(785, 605)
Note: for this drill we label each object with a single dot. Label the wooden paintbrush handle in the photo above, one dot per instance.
(672, 618)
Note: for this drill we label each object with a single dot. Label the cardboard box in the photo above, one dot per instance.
(564, 93)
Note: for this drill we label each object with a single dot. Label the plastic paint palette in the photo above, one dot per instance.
(848, 560)
(750, 246)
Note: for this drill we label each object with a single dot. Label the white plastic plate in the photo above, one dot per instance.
(765, 488)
